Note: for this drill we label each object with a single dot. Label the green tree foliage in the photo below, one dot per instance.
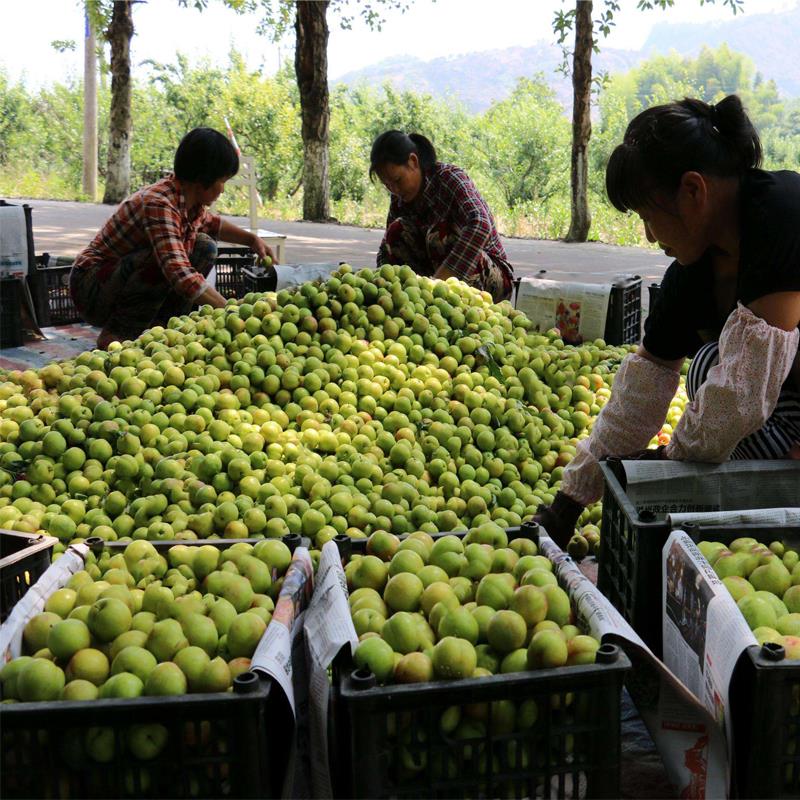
(517, 152)
(262, 112)
(520, 142)
(359, 114)
(712, 75)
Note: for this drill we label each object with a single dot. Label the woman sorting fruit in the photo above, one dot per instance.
(730, 301)
(438, 223)
(150, 261)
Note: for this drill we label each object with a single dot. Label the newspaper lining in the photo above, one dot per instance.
(704, 632)
(13, 242)
(691, 744)
(578, 310)
(281, 655)
(672, 487)
(294, 275)
(762, 517)
(55, 577)
(273, 656)
(328, 628)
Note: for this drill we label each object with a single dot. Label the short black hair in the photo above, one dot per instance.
(205, 155)
(395, 147)
(665, 141)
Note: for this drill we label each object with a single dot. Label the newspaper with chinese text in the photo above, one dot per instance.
(673, 487)
(691, 744)
(328, 628)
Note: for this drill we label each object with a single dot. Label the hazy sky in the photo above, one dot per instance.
(428, 30)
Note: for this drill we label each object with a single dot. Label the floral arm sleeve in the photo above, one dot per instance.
(740, 392)
(639, 400)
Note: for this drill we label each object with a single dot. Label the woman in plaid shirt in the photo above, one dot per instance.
(438, 222)
(149, 262)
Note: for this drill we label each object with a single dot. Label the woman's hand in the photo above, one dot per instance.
(228, 232)
(212, 298)
(261, 249)
(560, 518)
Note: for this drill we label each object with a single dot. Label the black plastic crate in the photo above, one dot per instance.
(23, 559)
(230, 263)
(217, 745)
(11, 312)
(765, 706)
(765, 696)
(624, 315)
(258, 279)
(629, 566)
(54, 273)
(389, 741)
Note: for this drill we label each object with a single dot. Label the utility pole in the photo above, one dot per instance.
(89, 110)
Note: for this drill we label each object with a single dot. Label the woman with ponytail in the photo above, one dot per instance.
(730, 301)
(438, 222)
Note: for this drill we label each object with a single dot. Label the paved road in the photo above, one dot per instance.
(63, 228)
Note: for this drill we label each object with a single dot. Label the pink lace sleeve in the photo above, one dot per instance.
(740, 392)
(633, 415)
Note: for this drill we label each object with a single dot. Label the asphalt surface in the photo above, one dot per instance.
(64, 228)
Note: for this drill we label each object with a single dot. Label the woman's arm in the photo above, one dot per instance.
(642, 391)
(781, 310)
(228, 232)
(472, 215)
(757, 348)
(210, 296)
(643, 388)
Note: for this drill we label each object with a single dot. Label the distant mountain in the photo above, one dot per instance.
(479, 78)
(770, 40)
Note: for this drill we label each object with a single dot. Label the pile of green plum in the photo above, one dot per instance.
(455, 608)
(764, 580)
(377, 400)
(136, 622)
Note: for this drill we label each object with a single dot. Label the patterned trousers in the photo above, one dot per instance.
(780, 432)
(424, 250)
(133, 295)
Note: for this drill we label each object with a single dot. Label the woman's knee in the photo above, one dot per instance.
(204, 253)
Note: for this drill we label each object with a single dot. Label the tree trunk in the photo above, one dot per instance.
(89, 111)
(581, 217)
(118, 172)
(311, 68)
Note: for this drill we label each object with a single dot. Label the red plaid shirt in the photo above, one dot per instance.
(450, 196)
(155, 217)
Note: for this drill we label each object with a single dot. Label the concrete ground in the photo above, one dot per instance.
(64, 228)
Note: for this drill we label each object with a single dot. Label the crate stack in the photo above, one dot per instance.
(764, 700)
